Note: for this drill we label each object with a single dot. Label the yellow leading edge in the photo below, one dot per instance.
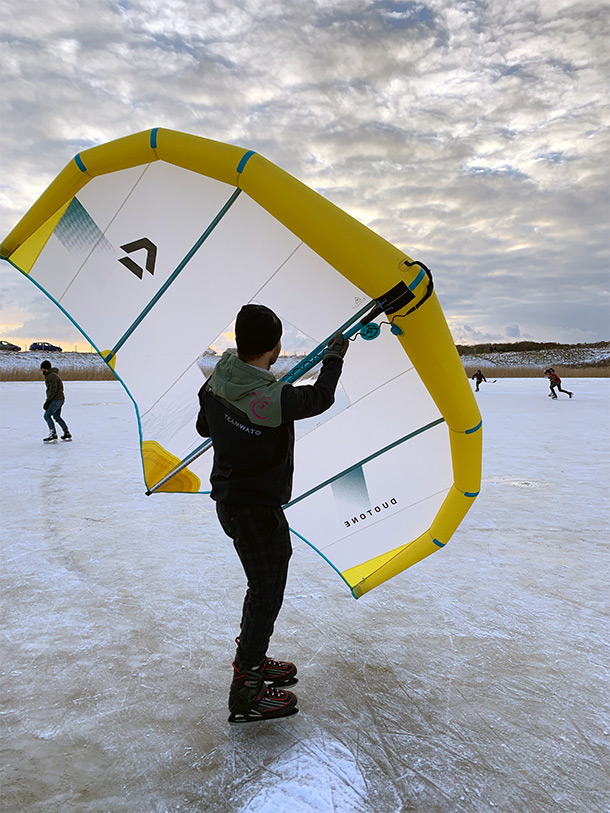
(369, 262)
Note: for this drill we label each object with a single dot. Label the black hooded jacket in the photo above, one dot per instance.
(250, 418)
(55, 387)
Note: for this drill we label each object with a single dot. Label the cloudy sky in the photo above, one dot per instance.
(472, 134)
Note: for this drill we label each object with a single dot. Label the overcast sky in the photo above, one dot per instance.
(472, 134)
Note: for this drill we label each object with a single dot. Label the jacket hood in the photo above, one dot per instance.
(250, 389)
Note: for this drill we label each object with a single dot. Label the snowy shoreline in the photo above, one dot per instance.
(570, 361)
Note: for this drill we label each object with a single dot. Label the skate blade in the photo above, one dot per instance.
(256, 718)
(49, 442)
(67, 440)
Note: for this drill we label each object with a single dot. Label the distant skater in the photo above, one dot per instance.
(478, 377)
(54, 402)
(555, 381)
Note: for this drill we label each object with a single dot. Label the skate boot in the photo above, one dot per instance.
(51, 439)
(277, 673)
(251, 700)
(66, 435)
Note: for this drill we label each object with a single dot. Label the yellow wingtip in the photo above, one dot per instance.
(158, 463)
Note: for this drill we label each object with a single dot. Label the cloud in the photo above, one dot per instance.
(512, 331)
(469, 134)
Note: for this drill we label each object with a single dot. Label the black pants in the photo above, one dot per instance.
(261, 538)
(554, 394)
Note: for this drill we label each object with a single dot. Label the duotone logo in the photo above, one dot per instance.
(151, 256)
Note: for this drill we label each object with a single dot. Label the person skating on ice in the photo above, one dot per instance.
(478, 377)
(53, 403)
(250, 419)
(555, 381)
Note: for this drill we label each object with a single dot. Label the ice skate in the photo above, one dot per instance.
(51, 439)
(251, 700)
(277, 673)
(66, 435)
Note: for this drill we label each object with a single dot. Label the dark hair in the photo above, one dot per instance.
(45, 365)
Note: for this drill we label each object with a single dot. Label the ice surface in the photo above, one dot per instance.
(476, 680)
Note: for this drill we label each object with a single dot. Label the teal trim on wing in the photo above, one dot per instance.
(366, 460)
(475, 428)
(179, 268)
(318, 353)
(153, 138)
(472, 494)
(439, 544)
(79, 163)
(326, 559)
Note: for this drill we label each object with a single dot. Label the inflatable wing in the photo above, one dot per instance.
(150, 245)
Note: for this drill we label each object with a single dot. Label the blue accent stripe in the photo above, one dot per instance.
(417, 280)
(79, 163)
(153, 138)
(439, 544)
(475, 428)
(244, 160)
(366, 460)
(471, 493)
(180, 267)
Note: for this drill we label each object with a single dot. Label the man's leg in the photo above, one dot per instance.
(48, 413)
(57, 414)
(261, 538)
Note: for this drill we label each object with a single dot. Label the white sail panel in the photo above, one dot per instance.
(168, 206)
(231, 265)
(311, 295)
(81, 233)
(357, 432)
(170, 421)
(400, 490)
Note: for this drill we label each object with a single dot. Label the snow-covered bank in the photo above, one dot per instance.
(25, 366)
(475, 681)
(571, 361)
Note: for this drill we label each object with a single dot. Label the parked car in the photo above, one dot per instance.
(46, 347)
(8, 346)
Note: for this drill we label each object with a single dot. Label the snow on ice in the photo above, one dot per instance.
(476, 680)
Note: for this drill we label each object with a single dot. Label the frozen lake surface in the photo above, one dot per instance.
(476, 680)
